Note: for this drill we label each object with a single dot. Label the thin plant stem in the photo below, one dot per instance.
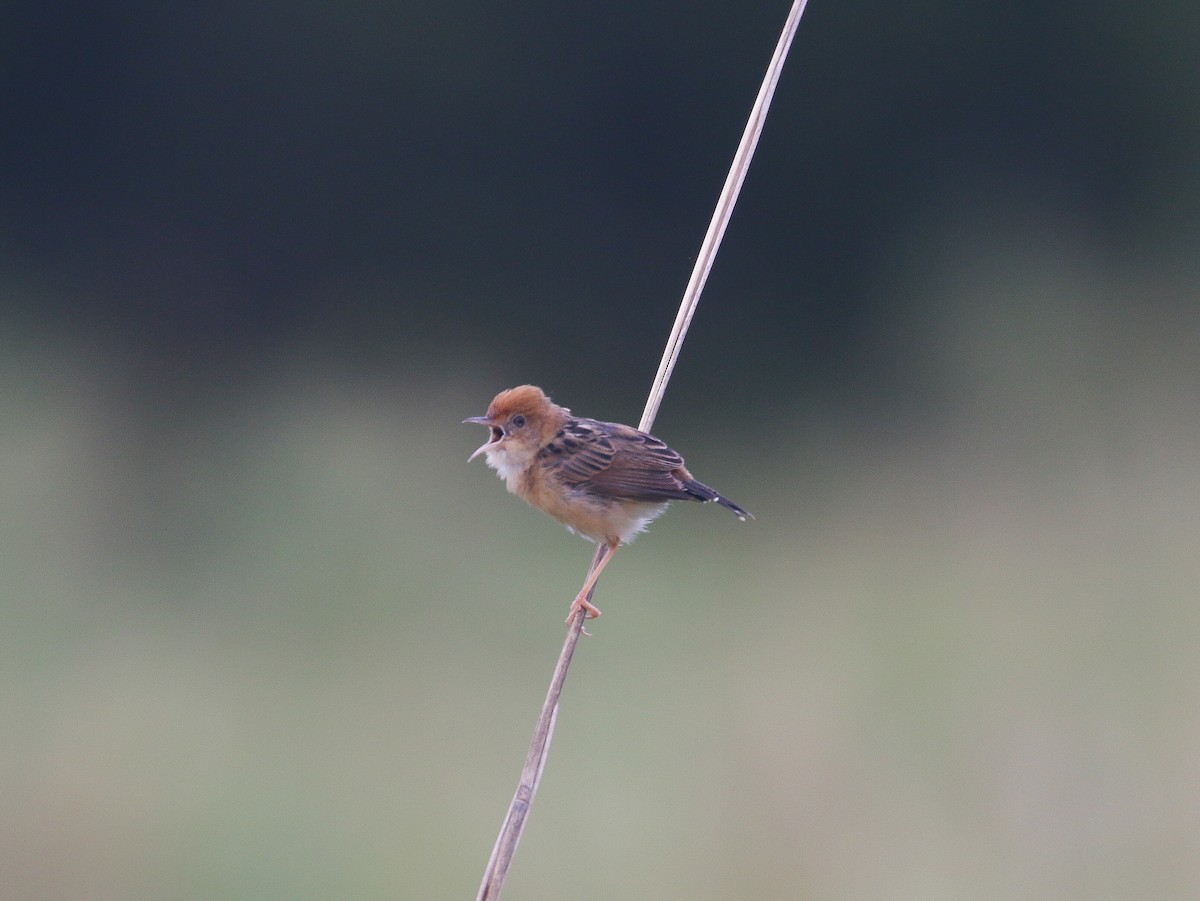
(535, 760)
(721, 216)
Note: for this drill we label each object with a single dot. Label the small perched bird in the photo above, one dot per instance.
(603, 480)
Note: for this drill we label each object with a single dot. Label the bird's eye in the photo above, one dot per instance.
(518, 421)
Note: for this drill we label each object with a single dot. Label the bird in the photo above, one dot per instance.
(602, 480)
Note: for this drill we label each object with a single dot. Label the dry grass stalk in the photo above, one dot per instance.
(535, 760)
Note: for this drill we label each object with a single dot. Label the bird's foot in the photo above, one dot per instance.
(581, 603)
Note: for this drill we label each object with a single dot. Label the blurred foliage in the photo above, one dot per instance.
(205, 184)
(264, 634)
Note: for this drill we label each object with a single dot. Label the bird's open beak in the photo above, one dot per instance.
(495, 436)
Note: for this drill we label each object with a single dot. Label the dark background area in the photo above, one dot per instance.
(264, 633)
(387, 185)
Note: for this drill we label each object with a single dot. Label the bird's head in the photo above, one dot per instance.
(521, 419)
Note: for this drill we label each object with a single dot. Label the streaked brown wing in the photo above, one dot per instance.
(614, 460)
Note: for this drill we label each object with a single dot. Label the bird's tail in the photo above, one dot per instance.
(702, 492)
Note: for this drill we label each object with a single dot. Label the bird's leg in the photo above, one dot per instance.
(581, 600)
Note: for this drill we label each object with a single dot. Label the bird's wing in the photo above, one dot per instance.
(616, 461)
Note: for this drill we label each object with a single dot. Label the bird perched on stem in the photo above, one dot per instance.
(604, 480)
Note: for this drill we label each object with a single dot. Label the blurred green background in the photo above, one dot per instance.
(265, 634)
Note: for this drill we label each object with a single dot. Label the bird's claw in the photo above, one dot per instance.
(582, 603)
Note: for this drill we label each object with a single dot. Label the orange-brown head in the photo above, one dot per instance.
(521, 420)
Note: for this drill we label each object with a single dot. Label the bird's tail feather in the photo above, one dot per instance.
(702, 492)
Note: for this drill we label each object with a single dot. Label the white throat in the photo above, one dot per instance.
(501, 459)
